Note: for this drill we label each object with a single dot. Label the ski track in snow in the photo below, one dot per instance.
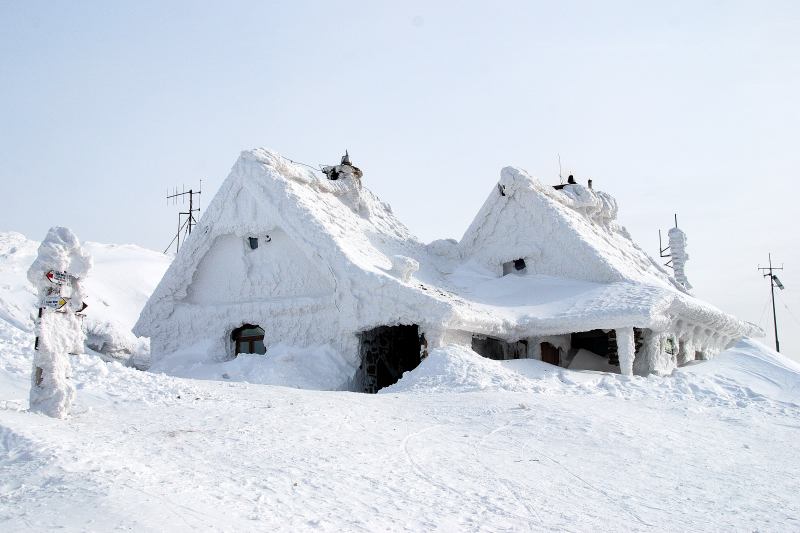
(578, 452)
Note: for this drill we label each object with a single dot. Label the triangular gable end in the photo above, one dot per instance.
(251, 203)
(570, 233)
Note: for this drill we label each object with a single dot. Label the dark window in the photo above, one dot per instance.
(519, 264)
(253, 242)
(249, 339)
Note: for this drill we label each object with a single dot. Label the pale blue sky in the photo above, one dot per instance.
(672, 107)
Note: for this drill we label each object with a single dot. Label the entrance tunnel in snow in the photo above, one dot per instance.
(387, 352)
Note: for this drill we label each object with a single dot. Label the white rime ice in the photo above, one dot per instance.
(58, 331)
(626, 350)
(677, 247)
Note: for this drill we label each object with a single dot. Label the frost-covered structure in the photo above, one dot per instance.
(286, 257)
(56, 273)
(677, 247)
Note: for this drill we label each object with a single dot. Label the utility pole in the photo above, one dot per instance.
(773, 282)
(190, 221)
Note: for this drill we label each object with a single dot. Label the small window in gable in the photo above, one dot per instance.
(253, 241)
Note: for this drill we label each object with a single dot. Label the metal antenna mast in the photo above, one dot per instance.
(773, 282)
(190, 220)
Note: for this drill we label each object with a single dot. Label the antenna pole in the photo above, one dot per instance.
(190, 211)
(768, 273)
(190, 222)
(559, 169)
(774, 315)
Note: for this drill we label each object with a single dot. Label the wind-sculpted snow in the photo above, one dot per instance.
(498, 447)
(315, 368)
(767, 378)
(677, 251)
(454, 368)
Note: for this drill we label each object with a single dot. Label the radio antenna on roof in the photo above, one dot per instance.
(184, 225)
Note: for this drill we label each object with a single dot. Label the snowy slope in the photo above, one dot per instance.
(122, 280)
(492, 447)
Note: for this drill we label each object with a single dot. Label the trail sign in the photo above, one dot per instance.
(54, 276)
(54, 302)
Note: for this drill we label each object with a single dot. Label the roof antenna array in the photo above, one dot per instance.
(184, 225)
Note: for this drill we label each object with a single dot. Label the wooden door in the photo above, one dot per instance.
(550, 354)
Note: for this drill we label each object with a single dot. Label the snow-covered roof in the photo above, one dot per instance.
(582, 269)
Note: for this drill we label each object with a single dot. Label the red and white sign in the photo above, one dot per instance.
(57, 277)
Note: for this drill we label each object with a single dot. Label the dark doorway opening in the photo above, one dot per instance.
(248, 339)
(387, 352)
(598, 342)
(498, 349)
(550, 354)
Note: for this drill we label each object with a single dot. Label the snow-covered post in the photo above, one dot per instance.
(626, 350)
(677, 250)
(57, 272)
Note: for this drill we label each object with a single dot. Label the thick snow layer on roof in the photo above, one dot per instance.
(338, 251)
(570, 233)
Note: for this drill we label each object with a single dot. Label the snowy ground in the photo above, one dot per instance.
(460, 444)
(706, 450)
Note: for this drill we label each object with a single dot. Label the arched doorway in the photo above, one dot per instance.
(248, 339)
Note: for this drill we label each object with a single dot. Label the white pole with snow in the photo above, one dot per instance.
(626, 350)
(56, 273)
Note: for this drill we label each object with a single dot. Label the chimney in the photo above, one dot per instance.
(590, 184)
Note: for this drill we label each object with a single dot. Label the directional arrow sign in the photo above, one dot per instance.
(57, 277)
(54, 302)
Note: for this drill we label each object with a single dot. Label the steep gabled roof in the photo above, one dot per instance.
(339, 225)
(569, 233)
(380, 272)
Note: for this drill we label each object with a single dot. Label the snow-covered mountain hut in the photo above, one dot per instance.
(285, 256)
